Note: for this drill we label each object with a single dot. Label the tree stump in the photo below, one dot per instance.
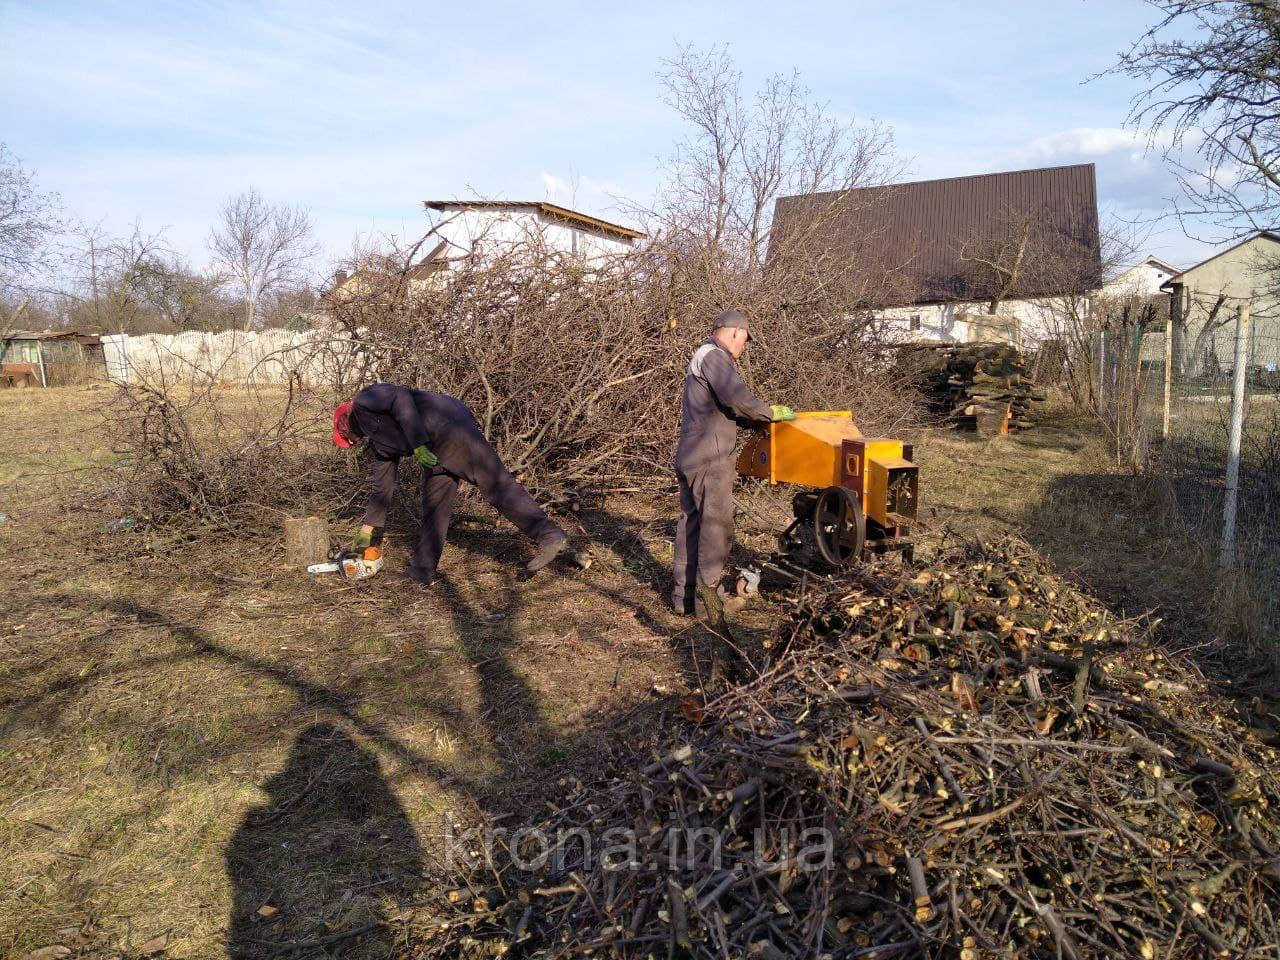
(306, 541)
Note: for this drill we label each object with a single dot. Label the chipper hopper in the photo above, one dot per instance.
(861, 492)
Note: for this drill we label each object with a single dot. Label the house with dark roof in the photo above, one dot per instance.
(975, 257)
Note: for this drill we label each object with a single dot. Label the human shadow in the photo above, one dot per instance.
(331, 849)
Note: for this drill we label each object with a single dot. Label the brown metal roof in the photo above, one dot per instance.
(548, 209)
(928, 226)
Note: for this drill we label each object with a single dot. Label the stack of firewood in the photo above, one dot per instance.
(967, 758)
(985, 387)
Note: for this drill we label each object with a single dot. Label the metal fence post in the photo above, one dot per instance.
(1102, 365)
(1168, 373)
(1226, 557)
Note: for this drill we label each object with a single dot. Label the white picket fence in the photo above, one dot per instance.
(268, 356)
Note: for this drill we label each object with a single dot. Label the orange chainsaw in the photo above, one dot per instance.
(352, 564)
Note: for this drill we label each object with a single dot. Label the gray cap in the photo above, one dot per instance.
(733, 318)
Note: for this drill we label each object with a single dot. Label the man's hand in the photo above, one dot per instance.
(366, 536)
(781, 413)
(425, 456)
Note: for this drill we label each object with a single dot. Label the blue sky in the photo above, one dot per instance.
(158, 112)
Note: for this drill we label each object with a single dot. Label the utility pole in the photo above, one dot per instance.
(1226, 557)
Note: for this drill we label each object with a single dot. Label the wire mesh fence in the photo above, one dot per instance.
(1203, 410)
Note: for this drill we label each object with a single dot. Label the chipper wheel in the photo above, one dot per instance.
(840, 529)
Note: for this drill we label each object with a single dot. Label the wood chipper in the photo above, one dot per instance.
(864, 491)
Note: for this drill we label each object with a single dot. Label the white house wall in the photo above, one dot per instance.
(1245, 274)
(1141, 280)
(500, 230)
(1037, 320)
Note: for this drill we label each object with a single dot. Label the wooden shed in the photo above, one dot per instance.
(50, 358)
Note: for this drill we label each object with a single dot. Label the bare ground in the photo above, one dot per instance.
(204, 752)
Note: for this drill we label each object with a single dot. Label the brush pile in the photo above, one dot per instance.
(971, 759)
(985, 387)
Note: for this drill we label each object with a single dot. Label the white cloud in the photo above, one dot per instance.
(556, 187)
(1093, 142)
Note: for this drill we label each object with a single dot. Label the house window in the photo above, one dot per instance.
(915, 321)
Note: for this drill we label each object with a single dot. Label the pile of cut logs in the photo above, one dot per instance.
(968, 758)
(977, 386)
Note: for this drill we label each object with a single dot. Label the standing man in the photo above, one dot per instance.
(441, 434)
(715, 401)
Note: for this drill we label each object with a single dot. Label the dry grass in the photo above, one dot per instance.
(161, 767)
(149, 689)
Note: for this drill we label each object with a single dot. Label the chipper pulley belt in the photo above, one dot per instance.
(862, 492)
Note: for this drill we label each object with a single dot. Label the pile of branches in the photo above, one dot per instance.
(985, 387)
(217, 458)
(574, 366)
(968, 759)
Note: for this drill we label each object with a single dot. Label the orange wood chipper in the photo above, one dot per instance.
(863, 491)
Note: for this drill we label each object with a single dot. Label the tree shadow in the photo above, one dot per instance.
(316, 854)
(509, 707)
(309, 694)
(330, 849)
(631, 538)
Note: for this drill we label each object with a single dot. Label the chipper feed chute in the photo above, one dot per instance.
(862, 491)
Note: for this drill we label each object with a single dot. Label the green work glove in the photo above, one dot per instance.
(782, 413)
(425, 456)
(363, 539)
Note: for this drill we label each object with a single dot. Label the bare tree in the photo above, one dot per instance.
(1213, 73)
(998, 264)
(29, 220)
(744, 151)
(260, 247)
(131, 284)
(182, 298)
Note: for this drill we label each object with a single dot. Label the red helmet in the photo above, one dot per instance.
(342, 424)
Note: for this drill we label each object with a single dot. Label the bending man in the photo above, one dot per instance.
(715, 401)
(442, 435)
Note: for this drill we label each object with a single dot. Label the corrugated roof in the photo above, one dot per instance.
(926, 228)
(549, 209)
(52, 335)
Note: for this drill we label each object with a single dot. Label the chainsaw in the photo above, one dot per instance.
(352, 564)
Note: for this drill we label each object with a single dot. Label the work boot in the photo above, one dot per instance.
(549, 547)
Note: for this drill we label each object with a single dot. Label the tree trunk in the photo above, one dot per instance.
(306, 541)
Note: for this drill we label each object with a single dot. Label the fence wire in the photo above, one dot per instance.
(1169, 401)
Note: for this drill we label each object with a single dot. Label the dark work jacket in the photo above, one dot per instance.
(396, 420)
(715, 401)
